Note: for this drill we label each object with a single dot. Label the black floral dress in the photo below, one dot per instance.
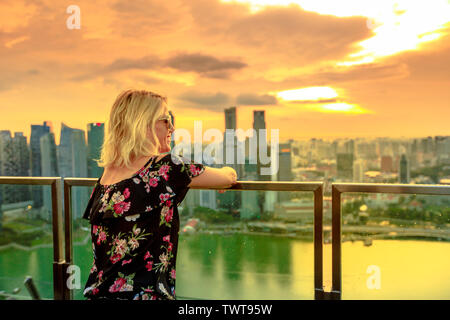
(134, 228)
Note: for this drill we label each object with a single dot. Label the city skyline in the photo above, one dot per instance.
(56, 130)
(317, 68)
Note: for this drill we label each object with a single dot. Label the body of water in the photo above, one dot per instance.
(267, 267)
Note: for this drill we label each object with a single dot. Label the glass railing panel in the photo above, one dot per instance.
(26, 241)
(395, 246)
(246, 245)
(81, 241)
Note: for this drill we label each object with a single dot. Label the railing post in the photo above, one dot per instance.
(58, 276)
(68, 295)
(318, 243)
(336, 287)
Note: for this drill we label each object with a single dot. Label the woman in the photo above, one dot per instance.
(133, 207)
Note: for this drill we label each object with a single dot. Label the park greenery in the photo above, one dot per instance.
(408, 208)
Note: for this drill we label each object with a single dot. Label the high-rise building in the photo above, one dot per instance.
(14, 161)
(95, 133)
(358, 170)
(404, 174)
(72, 162)
(386, 164)
(21, 158)
(285, 158)
(262, 149)
(271, 197)
(259, 125)
(349, 146)
(285, 169)
(172, 140)
(414, 161)
(37, 131)
(428, 151)
(230, 139)
(6, 165)
(230, 200)
(230, 118)
(344, 164)
(442, 149)
(4, 135)
(49, 169)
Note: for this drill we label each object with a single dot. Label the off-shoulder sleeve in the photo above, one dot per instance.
(181, 172)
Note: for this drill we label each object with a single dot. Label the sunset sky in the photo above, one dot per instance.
(348, 68)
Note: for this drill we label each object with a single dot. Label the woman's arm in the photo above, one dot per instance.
(215, 177)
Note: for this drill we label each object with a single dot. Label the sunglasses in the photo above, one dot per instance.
(168, 121)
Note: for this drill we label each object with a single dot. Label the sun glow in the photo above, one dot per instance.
(397, 26)
(308, 94)
(319, 99)
(341, 107)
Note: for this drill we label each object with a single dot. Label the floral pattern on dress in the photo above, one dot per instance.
(116, 203)
(134, 229)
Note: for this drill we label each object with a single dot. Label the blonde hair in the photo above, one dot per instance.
(133, 114)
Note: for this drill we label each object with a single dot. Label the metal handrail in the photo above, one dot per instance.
(337, 189)
(62, 261)
(315, 187)
(58, 261)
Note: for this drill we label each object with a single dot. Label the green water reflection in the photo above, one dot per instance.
(213, 266)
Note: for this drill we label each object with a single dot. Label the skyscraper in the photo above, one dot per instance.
(72, 162)
(49, 169)
(259, 124)
(404, 175)
(345, 166)
(262, 148)
(37, 131)
(21, 159)
(230, 118)
(14, 161)
(230, 200)
(442, 149)
(172, 140)
(6, 165)
(358, 171)
(386, 164)
(95, 133)
(230, 139)
(285, 169)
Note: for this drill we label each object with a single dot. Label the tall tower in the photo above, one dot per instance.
(285, 169)
(95, 133)
(259, 123)
(72, 162)
(37, 131)
(344, 163)
(14, 161)
(21, 156)
(6, 165)
(404, 175)
(229, 140)
(230, 200)
(49, 169)
(172, 140)
(358, 170)
(230, 118)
